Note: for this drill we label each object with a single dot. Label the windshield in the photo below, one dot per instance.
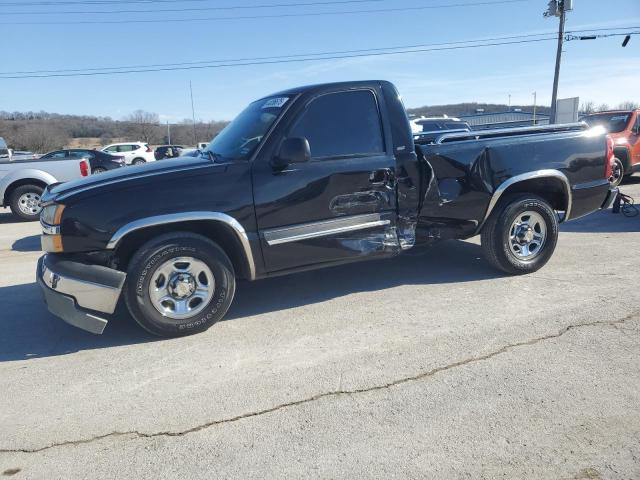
(612, 122)
(241, 137)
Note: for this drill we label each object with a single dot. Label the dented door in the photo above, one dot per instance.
(339, 205)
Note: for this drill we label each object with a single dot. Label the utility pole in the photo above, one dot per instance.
(535, 105)
(193, 115)
(509, 102)
(558, 8)
(168, 132)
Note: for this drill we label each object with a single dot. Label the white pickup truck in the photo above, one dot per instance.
(23, 181)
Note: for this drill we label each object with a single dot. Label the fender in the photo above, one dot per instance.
(23, 174)
(229, 221)
(538, 174)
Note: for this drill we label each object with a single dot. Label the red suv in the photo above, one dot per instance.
(624, 128)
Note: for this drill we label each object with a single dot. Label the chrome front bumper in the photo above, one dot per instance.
(78, 293)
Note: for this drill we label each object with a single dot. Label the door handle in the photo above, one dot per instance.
(381, 178)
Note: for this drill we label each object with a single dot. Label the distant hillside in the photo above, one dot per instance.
(462, 109)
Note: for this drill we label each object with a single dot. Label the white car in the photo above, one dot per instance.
(134, 153)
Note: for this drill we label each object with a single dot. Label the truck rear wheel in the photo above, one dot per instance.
(521, 234)
(179, 284)
(25, 202)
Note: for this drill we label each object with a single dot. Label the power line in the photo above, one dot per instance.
(233, 7)
(271, 62)
(91, 2)
(336, 52)
(281, 15)
(313, 54)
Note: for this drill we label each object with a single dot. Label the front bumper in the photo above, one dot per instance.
(78, 293)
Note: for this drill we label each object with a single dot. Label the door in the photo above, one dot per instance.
(341, 203)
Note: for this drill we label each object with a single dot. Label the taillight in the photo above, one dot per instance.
(84, 168)
(149, 149)
(609, 159)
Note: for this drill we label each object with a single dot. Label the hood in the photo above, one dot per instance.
(123, 175)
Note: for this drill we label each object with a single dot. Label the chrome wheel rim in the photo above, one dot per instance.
(29, 203)
(616, 175)
(527, 235)
(181, 287)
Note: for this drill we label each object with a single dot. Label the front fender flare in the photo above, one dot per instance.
(231, 222)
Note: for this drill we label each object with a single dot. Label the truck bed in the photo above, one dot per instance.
(462, 173)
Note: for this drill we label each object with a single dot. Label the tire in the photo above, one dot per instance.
(502, 251)
(97, 170)
(138, 161)
(618, 173)
(205, 259)
(24, 202)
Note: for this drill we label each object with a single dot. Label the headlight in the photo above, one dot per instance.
(622, 141)
(50, 218)
(52, 214)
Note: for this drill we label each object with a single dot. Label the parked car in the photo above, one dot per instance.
(134, 153)
(99, 161)
(168, 151)
(624, 127)
(434, 124)
(5, 152)
(191, 152)
(302, 179)
(202, 145)
(23, 181)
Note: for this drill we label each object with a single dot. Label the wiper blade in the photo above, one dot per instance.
(213, 156)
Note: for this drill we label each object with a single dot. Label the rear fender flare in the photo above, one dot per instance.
(539, 174)
(23, 176)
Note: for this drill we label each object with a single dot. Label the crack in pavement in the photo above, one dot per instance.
(413, 378)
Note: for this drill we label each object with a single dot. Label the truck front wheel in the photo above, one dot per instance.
(179, 284)
(25, 202)
(521, 234)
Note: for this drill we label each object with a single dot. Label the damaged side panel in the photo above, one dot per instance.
(458, 187)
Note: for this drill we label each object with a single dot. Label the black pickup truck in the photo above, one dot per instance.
(306, 178)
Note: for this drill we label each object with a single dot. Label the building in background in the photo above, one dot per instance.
(481, 121)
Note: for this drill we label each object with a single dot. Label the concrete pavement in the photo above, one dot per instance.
(431, 365)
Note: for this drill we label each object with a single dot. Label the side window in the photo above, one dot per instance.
(341, 124)
(125, 148)
(637, 124)
(112, 149)
(60, 154)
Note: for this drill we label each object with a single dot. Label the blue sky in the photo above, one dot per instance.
(598, 70)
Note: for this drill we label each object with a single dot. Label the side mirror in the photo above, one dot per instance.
(292, 150)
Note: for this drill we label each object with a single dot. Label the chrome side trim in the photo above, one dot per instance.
(63, 195)
(94, 296)
(189, 217)
(530, 176)
(295, 233)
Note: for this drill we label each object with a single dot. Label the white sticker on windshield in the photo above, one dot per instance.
(276, 102)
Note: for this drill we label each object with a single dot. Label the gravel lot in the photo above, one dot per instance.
(427, 366)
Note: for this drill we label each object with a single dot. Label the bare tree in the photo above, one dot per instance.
(39, 138)
(602, 107)
(588, 107)
(629, 105)
(145, 125)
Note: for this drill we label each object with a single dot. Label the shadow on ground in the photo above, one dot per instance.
(27, 244)
(8, 218)
(30, 331)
